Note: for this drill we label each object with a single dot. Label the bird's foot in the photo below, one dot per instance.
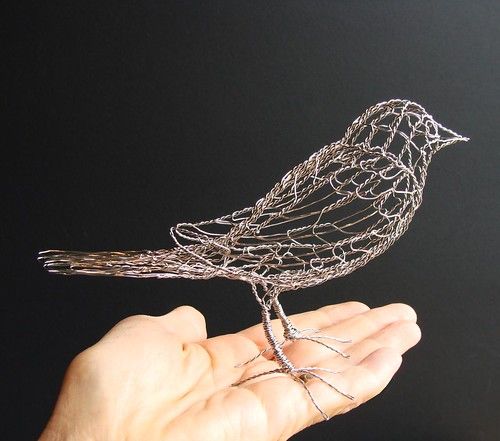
(302, 376)
(310, 334)
(292, 334)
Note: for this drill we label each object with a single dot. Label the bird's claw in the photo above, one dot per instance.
(294, 334)
(302, 376)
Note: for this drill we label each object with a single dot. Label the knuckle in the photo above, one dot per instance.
(362, 307)
(135, 320)
(84, 363)
(190, 310)
(193, 314)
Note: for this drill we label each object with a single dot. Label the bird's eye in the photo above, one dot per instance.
(431, 129)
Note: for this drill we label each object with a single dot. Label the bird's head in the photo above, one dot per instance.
(398, 124)
(437, 136)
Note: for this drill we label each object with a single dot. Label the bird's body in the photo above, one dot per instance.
(331, 214)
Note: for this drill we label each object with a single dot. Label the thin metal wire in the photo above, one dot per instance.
(328, 216)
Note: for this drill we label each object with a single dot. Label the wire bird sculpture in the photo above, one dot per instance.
(328, 216)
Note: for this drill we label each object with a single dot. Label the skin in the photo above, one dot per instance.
(161, 378)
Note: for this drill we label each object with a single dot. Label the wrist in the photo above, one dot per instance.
(79, 414)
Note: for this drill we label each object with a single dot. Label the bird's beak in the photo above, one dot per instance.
(448, 137)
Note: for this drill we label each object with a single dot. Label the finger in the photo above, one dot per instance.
(318, 319)
(296, 412)
(363, 325)
(369, 333)
(371, 376)
(363, 381)
(400, 336)
(355, 328)
(185, 322)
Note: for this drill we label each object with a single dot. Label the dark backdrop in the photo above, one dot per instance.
(124, 118)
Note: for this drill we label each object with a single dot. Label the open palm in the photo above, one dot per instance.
(160, 378)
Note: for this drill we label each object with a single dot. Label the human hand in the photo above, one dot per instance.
(160, 378)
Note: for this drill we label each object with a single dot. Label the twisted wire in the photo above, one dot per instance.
(328, 216)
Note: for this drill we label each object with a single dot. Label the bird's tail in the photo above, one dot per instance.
(159, 263)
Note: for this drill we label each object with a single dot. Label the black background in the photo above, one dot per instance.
(124, 118)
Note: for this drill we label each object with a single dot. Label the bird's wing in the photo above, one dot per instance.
(327, 220)
(340, 211)
(239, 222)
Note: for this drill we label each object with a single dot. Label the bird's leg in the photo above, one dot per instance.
(299, 374)
(264, 302)
(290, 332)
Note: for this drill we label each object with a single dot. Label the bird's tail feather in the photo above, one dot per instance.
(159, 264)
